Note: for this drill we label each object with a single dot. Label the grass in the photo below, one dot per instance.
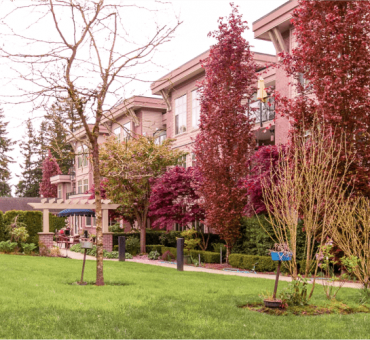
(38, 300)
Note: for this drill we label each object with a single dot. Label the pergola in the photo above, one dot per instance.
(53, 203)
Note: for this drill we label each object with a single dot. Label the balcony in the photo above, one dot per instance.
(70, 194)
(58, 179)
(262, 112)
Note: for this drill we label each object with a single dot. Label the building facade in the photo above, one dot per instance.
(174, 113)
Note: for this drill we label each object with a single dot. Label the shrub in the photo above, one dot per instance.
(28, 248)
(19, 234)
(43, 249)
(172, 250)
(205, 256)
(154, 247)
(111, 255)
(54, 252)
(2, 227)
(128, 256)
(115, 228)
(8, 246)
(168, 239)
(168, 256)
(263, 263)
(76, 248)
(152, 236)
(133, 245)
(32, 221)
(153, 255)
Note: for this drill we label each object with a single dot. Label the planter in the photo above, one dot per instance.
(86, 244)
(279, 256)
(272, 303)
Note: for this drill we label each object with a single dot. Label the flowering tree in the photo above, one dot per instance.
(175, 199)
(261, 164)
(50, 168)
(129, 168)
(225, 141)
(330, 65)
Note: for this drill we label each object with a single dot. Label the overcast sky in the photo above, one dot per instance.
(199, 17)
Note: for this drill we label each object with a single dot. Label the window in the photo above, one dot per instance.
(79, 187)
(180, 115)
(160, 138)
(85, 161)
(193, 159)
(195, 108)
(127, 131)
(86, 185)
(79, 157)
(182, 161)
(77, 220)
(88, 221)
(59, 191)
(117, 132)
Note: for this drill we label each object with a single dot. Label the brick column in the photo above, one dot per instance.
(108, 241)
(46, 239)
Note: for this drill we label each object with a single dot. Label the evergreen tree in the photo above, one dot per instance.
(60, 121)
(5, 147)
(31, 176)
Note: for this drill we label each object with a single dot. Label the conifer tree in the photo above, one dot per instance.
(31, 175)
(5, 147)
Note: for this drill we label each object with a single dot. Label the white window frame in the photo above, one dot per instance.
(182, 161)
(79, 186)
(85, 185)
(117, 132)
(127, 131)
(79, 158)
(85, 161)
(180, 114)
(195, 109)
(88, 225)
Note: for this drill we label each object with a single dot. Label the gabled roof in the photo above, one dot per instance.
(21, 203)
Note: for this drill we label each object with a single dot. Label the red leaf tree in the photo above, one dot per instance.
(50, 168)
(174, 198)
(330, 65)
(226, 141)
(261, 164)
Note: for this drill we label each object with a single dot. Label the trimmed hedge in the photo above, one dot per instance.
(205, 256)
(153, 247)
(33, 221)
(263, 263)
(152, 236)
(2, 226)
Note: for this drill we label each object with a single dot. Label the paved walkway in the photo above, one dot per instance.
(79, 256)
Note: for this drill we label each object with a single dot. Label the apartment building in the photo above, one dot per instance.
(174, 112)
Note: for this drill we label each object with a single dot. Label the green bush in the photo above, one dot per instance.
(153, 255)
(28, 248)
(152, 236)
(7, 246)
(115, 228)
(133, 245)
(128, 256)
(172, 250)
(33, 222)
(263, 263)
(2, 227)
(205, 256)
(154, 247)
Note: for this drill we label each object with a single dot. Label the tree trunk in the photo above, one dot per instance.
(227, 253)
(143, 238)
(98, 214)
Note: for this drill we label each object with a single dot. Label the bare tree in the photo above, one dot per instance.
(306, 185)
(80, 50)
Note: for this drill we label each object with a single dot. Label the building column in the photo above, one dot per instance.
(46, 239)
(45, 221)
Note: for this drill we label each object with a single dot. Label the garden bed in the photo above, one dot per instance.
(334, 307)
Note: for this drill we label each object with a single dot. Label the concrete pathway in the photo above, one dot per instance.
(79, 256)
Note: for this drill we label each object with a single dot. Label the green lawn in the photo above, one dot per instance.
(37, 300)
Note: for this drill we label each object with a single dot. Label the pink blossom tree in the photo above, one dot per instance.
(50, 168)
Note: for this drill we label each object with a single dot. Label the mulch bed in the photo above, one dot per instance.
(308, 310)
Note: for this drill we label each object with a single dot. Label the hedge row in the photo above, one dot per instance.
(153, 247)
(205, 256)
(263, 263)
(152, 236)
(33, 221)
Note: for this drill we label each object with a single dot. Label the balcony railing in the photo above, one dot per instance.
(262, 112)
(70, 194)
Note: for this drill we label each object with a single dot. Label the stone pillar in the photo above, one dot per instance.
(46, 239)
(108, 241)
